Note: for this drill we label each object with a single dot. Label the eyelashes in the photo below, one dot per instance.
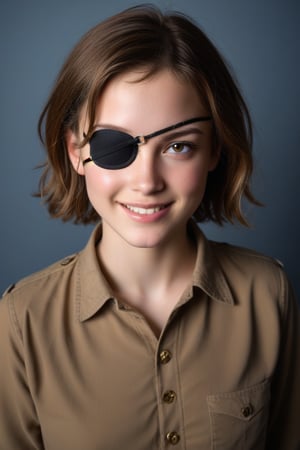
(180, 148)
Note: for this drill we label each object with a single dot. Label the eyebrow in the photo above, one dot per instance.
(177, 134)
(168, 130)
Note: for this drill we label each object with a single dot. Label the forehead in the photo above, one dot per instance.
(134, 101)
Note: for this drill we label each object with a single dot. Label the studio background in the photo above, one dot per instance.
(260, 40)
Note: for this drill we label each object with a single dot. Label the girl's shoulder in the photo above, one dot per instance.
(50, 274)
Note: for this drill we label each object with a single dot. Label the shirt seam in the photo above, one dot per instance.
(78, 292)
(13, 317)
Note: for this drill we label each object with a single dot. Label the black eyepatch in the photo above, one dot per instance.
(113, 149)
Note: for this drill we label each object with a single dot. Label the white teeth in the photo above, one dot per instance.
(144, 210)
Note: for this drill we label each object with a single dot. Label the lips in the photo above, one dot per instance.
(144, 210)
(146, 213)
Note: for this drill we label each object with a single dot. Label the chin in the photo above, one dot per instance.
(145, 241)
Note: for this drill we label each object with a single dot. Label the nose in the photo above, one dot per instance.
(146, 172)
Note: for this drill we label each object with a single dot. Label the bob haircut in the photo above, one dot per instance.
(144, 37)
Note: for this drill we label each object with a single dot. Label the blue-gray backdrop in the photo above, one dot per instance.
(260, 39)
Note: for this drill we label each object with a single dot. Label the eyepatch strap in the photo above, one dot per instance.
(135, 141)
(143, 139)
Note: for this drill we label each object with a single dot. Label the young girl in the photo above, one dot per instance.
(152, 337)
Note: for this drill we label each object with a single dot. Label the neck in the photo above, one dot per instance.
(142, 273)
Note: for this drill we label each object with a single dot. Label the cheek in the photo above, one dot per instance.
(192, 182)
(100, 183)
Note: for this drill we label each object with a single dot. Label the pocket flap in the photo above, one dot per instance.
(243, 404)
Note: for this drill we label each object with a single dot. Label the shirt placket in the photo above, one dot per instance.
(168, 391)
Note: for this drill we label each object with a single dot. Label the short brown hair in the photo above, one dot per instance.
(143, 36)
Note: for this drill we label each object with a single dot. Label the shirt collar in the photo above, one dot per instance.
(93, 290)
(208, 274)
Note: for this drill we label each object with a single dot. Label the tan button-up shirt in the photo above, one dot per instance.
(80, 371)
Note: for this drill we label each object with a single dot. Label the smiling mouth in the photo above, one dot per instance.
(145, 211)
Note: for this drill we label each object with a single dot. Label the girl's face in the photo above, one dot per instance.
(148, 203)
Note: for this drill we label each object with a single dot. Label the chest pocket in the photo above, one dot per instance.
(239, 419)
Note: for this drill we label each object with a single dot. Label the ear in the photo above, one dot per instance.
(74, 151)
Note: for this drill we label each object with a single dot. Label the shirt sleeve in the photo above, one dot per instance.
(284, 425)
(19, 426)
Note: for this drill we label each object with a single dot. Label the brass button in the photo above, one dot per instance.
(169, 397)
(8, 290)
(67, 260)
(173, 437)
(247, 411)
(165, 356)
